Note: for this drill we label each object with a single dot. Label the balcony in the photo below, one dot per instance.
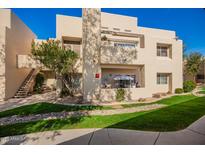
(118, 55)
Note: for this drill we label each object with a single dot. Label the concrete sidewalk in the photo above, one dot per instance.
(194, 134)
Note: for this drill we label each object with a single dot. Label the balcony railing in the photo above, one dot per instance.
(118, 55)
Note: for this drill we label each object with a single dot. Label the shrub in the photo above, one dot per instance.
(39, 80)
(188, 86)
(64, 92)
(179, 90)
(120, 94)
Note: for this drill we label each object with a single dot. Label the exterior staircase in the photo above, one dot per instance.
(24, 89)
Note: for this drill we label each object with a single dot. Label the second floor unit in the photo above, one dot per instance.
(123, 41)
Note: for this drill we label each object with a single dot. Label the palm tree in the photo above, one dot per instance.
(193, 62)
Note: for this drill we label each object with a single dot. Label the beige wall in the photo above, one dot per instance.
(2, 62)
(72, 26)
(5, 22)
(50, 80)
(18, 39)
(154, 64)
(130, 94)
(157, 33)
(121, 22)
(5, 16)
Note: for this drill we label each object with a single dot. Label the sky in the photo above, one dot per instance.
(189, 24)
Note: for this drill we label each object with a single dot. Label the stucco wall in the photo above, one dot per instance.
(18, 41)
(121, 22)
(130, 94)
(155, 64)
(68, 26)
(2, 62)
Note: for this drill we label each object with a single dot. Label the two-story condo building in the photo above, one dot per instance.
(117, 53)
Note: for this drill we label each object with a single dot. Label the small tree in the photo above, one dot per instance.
(54, 57)
(193, 62)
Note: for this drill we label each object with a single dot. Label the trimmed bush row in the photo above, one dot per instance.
(188, 86)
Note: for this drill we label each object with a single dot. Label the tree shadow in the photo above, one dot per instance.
(146, 121)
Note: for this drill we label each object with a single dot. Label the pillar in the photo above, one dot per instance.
(91, 43)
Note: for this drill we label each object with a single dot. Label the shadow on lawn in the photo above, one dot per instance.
(172, 118)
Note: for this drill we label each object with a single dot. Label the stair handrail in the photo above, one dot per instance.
(28, 78)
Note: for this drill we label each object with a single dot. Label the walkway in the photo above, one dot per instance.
(197, 90)
(17, 102)
(51, 98)
(194, 134)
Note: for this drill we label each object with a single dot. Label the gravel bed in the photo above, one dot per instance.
(61, 115)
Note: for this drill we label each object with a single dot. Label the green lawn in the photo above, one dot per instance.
(171, 118)
(202, 90)
(45, 107)
(167, 101)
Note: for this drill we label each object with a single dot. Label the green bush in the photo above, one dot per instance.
(39, 80)
(120, 94)
(64, 92)
(179, 90)
(188, 86)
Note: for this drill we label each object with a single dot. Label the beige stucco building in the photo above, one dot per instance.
(114, 53)
(15, 39)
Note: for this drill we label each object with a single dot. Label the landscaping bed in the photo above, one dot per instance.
(45, 107)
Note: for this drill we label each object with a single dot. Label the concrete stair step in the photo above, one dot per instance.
(25, 87)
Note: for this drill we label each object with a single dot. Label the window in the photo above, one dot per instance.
(127, 30)
(71, 42)
(104, 27)
(162, 51)
(117, 29)
(132, 45)
(200, 76)
(161, 78)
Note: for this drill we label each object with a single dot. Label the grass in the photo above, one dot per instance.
(177, 116)
(44, 107)
(167, 101)
(202, 90)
